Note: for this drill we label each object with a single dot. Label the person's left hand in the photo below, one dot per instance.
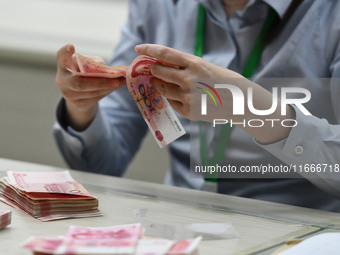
(174, 83)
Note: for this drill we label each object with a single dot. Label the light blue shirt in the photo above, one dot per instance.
(307, 47)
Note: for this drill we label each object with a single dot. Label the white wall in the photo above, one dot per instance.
(42, 26)
(31, 32)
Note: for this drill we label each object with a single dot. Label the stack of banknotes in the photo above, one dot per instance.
(96, 67)
(155, 109)
(5, 218)
(124, 239)
(47, 195)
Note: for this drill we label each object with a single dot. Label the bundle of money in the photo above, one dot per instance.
(124, 239)
(5, 218)
(47, 195)
(96, 67)
(155, 109)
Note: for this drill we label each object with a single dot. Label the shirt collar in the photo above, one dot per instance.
(279, 6)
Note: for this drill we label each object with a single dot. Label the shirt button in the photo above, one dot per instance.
(298, 150)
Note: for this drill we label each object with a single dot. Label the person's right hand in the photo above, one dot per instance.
(81, 93)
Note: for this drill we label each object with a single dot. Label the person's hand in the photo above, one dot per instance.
(81, 93)
(174, 83)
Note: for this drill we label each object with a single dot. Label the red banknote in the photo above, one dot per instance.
(108, 240)
(123, 239)
(157, 112)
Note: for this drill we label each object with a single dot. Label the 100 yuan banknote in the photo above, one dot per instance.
(156, 110)
(106, 240)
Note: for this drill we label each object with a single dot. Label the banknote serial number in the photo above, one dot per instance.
(316, 168)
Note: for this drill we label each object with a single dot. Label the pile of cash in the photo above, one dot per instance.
(5, 218)
(47, 195)
(124, 239)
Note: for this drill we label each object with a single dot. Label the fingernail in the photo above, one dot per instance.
(138, 48)
(68, 48)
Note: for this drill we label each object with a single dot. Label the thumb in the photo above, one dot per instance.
(64, 56)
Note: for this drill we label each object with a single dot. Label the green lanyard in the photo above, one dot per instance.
(248, 71)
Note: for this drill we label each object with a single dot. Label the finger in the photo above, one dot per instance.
(92, 84)
(168, 90)
(74, 65)
(166, 54)
(64, 56)
(178, 107)
(171, 75)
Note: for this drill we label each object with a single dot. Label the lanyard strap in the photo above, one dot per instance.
(248, 72)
